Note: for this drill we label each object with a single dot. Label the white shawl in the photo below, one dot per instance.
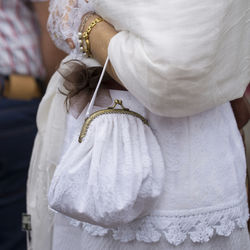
(178, 58)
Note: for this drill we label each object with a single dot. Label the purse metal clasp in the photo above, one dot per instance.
(109, 110)
(118, 102)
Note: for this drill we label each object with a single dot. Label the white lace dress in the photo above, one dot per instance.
(184, 93)
(193, 148)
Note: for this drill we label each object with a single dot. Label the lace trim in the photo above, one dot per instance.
(199, 227)
(64, 21)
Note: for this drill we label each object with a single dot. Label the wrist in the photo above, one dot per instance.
(89, 18)
(99, 39)
(84, 21)
(89, 22)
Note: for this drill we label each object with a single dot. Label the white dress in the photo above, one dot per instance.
(204, 200)
(197, 204)
(75, 239)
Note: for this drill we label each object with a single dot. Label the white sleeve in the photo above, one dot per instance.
(64, 20)
(179, 58)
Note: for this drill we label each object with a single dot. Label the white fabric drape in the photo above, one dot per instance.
(46, 154)
(47, 151)
(178, 58)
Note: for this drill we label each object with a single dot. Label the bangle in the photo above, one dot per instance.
(84, 37)
(85, 19)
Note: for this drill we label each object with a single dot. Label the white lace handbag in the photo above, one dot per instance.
(115, 174)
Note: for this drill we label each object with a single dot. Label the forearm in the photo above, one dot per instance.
(51, 55)
(99, 38)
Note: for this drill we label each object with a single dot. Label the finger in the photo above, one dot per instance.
(70, 43)
(86, 1)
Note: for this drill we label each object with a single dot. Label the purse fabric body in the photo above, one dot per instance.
(113, 177)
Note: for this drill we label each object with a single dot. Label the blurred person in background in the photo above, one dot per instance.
(27, 59)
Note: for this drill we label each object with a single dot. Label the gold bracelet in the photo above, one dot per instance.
(85, 19)
(84, 37)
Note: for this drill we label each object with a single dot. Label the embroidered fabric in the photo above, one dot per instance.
(220, 131)
(197, 221)
(64, 21)
(112, 177)
(175, 229)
